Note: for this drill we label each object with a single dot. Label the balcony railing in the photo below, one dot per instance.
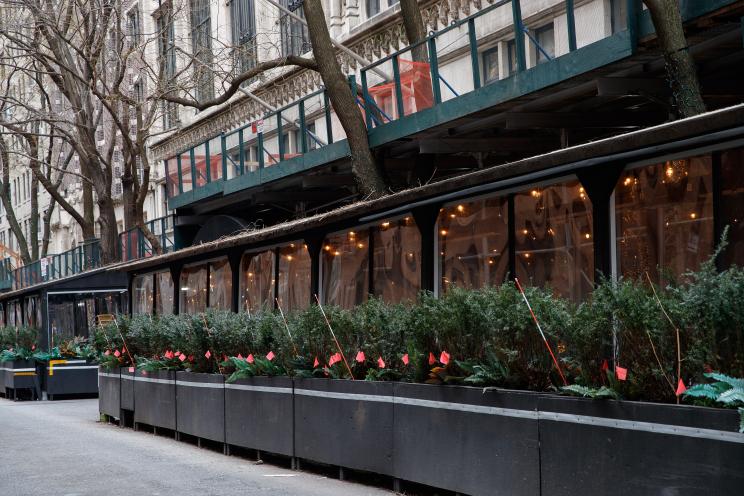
(134, 245)
(69, 263)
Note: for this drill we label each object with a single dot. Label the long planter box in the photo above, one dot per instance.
(19, 374)
(109, 392)
(458, 438)
(200, 403)
(345, 423)
(259, 414)
(127, 375)
(461, 439)
(627, 448)
(155, 397)
(71, 377)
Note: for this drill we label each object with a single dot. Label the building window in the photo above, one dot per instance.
(491, 65)
(142, 294)
(295, 38)
(220, 284)
(257, 281)
(345, 268)
(511, 52)
(201, 44)
(244, 34)
(134, 27)
(554, 243)
(167, 54)
(473, 243)
(545, 37)
(187, 182)
(732, 205)
(373, 8)
(396, 260)
(163, 293)
(664, 219)
(294, 276)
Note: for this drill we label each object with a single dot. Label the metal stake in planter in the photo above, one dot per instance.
(126, 347)
(334, 337)
(545, 340)
(286, 326)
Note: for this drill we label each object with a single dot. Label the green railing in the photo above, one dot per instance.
(134, 245)
(284, 134)
(75, 261)
(415, 78)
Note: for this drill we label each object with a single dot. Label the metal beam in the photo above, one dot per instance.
(621, 86)
(323, 180)
(291, 196)
(583, 120)
(496, 144)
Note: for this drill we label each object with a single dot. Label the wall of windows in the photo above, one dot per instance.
(663, 219)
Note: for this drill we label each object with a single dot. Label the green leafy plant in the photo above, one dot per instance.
(601, 393)
(725, 390)
(260, 366)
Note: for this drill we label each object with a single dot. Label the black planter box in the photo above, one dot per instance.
(462, 440)
(109, 392)
(127, 388)
(259, 414)
(155, 397)
(345, 423)
(200, 403)
(71, 377)
(19, 374)
(632, 448)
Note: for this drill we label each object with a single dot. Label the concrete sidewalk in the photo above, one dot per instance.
(59, 448)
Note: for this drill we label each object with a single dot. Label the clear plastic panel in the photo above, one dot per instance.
(215, 158)
(163, 293)
(200, 164)
(397, 260)
(473, 243)
(220, 284)
(345, 268)
(664, 218)
(294, 276)
(187, 183)
(193, 294)
(257, 281)
(232, 153)
(142, 297)
(554, 239)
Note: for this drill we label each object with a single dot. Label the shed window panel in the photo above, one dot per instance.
(294, 276)
(664, 218)
(257, 281)
(220, 284)
(554, 239)
(163, 293)
(473, 243)
(345, 266)
(193, 298)
(732, 205)
(397, 260)
(142, 294)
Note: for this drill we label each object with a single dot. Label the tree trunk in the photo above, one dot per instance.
(680, 67)
(415, 29)
(47, 228)
(15, 227)
(33, 222)
(109, 230)
(88, 227)
(368, 177)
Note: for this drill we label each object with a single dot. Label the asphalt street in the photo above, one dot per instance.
(60, 448)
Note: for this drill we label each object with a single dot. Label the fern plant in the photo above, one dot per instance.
(725, 390)
(601, 393)
(259, 367)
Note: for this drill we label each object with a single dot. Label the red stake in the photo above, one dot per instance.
(334, 337)
(545, 340)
